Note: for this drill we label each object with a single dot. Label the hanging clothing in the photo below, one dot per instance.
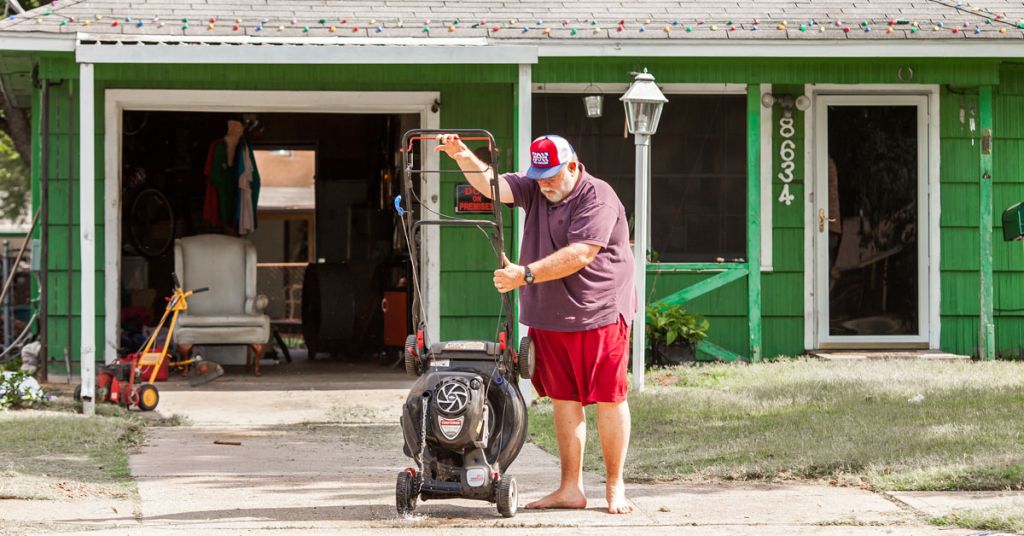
(248, 189)
(224, 203)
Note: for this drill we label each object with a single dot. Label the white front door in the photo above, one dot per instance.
(870, 221)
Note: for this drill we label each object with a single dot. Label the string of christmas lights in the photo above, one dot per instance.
(983, 21)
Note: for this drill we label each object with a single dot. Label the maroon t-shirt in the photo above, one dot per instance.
(601, 291)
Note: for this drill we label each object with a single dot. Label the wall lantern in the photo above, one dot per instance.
(787, 102)
(593, 103)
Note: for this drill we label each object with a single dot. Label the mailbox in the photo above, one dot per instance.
(1013, 222)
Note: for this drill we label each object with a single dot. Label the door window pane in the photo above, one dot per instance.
(872, 207)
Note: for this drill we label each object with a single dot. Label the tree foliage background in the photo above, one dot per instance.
(15, 156)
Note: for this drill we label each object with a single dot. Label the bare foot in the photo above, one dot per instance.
(617, 503)
(572, 499)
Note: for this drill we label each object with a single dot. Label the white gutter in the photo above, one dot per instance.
(787, 48)
(413, 50)
(407, 51)
(36, 43)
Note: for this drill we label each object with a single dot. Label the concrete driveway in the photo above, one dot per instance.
(316, 446)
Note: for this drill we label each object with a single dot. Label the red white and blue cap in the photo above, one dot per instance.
(548, 155)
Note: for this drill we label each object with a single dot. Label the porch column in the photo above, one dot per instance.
(640, 223)
(87, 235)
(754, 219)
(987, 330)
(524, 134)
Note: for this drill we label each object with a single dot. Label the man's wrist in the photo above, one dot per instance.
(528, 275)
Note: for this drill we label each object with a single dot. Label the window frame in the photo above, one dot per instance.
(669, 90)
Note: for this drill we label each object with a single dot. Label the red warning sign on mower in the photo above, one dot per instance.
(469, 200)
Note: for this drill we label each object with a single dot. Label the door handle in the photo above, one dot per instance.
(822, 219)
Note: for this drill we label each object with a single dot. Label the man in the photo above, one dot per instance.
(578, 297)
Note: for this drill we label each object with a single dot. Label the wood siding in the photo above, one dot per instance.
(484, 97)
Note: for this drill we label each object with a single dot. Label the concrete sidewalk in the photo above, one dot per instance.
(323, 456)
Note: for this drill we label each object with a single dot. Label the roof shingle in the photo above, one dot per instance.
(507, 20)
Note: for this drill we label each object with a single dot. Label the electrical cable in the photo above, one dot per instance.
(18, 340)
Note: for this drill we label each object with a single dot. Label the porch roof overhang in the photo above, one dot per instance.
(90, 48)
(118, 48)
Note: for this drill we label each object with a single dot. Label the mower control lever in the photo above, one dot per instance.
(454, 223)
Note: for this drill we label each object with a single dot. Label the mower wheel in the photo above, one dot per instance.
(412, 358)
(148, 397)
(507, 496)
(527, 357)
(405, 493)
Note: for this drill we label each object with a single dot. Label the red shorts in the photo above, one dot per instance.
(584, 366)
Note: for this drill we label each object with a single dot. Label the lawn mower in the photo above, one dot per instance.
(130, 380)
(464, 420)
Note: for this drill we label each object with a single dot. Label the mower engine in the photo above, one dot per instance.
(459, 411)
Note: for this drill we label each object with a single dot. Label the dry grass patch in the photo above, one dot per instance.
(994, 519)
(898, 425)
(55, 453)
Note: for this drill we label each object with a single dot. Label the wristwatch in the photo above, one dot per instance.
(527, 275)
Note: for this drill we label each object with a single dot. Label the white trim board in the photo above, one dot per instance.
(781, 48)
(524, 100)
(767, 199)
(252, 50)
(247, 54)
(116, 101)
(809, 331)
(925, 97)
(36, 43)
(87, 238)
(605, 88)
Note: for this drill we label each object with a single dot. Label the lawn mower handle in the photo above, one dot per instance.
(464, 134)
(454, 223)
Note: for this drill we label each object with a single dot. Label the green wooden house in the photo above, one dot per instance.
(826, 175)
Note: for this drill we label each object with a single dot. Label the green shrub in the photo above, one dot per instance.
(13, 392)
(666, 325)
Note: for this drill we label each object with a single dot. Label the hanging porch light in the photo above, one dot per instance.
(594, 104)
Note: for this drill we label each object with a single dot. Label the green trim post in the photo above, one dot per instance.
(754, 219)
(986, 340)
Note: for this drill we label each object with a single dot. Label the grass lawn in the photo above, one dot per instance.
(54, 453)
(861, 423)
(994, 519)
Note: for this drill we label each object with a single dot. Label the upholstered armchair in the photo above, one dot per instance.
(231, 313)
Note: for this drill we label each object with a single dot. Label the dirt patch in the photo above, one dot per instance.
(84, 490)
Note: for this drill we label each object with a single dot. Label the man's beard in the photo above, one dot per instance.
(553, 196)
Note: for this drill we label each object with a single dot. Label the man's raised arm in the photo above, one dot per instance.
(477, 172)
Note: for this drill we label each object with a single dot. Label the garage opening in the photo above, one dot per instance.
(311, 193)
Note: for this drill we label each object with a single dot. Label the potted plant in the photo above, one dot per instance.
(673, 334)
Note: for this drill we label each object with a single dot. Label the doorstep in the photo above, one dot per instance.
(864, 355)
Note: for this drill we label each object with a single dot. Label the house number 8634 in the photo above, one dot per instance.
(787, 152)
